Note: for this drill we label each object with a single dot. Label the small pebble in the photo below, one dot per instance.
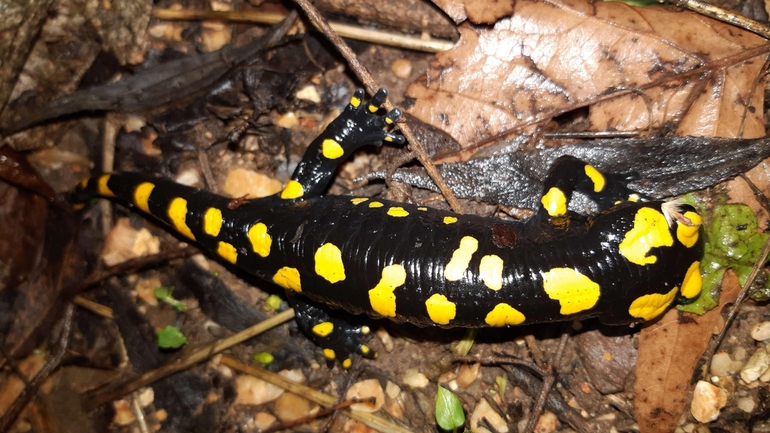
(123, 415)
(468, 374)
(385, 339)
(761, 331)
(146, 397)
(756, 365)
(289, 407)
(125, 242)
(366, 389)
(288, 120)
(401, 68)
(547, 423)
(483, 414)
(189, 177)
(309, 93)
(253, 391)
(415, 379)
(720, 364)
(746, 404)
(707, 401)
(145, 289)
(263, 420)
(242, 182)
(392, 390)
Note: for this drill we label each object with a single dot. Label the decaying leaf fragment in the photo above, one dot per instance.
(550, 57)
(671, 352)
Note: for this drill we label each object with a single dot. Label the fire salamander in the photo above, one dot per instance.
(425, 266)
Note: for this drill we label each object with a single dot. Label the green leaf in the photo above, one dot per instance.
(733, 242)
(464, 346)
(164, 295)
(264, 358)
(274, 302)
(171, 338)
(449, 410)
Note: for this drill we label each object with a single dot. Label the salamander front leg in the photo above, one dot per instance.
(337, 337)
(358, 125)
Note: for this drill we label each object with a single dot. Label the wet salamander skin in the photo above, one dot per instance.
(432, 267)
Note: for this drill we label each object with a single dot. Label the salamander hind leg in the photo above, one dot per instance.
(338, 338)
(569, 174)
(358, 125)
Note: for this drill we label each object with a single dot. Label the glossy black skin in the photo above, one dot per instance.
(370, 239)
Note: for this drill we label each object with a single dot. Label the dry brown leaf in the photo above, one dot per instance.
(553, 56)
(668, 353)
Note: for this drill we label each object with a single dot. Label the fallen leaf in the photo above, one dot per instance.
(551, 57)
(669, 350)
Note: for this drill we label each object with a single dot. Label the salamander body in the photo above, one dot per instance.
(425, 266)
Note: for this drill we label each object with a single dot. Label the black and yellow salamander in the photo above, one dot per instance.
(425, 266)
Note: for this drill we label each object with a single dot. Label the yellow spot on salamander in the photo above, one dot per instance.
(292, 190)
(329, 354)
(397, 211)
(381, 297)
(347, 363)
(574, 291)
(355, 101)
(212, 221)
(142, 196)
(102, 186)
(328, 263)
(288, 278)
(365, 330)
(596, 177)
(422, 208)
(554, 202)
(491, 271)
(227, 252)
(651, 306)
(260, 239)
(504, 315)
(358, 200)
(688, 234)
(375, 205)
(650, 231)
(83, 183)
(633, 198)
(440, 309)
(450, 220)
(693, 282)
(364, 349)
(372, 108)
(331, 149)
(461, 258)
(177, 212)
(323, 329)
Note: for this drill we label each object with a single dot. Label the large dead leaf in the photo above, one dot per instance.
(550, 57)
(633, 68)
(665, 368)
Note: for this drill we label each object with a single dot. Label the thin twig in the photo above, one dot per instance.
(319, 414)
(9, 417)
(313, 395)
(366, 78)
(345, 30)
(138, 263)
(117, 390)
(548, 381)
(725, 15)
